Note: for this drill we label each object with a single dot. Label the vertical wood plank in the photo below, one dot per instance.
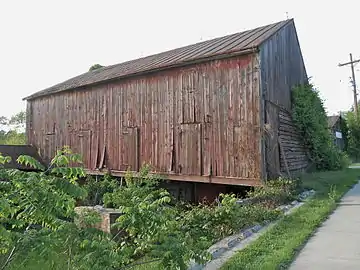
(230, 126)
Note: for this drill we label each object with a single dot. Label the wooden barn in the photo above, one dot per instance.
(213, 112)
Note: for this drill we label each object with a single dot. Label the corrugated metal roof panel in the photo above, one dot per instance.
(234, 43)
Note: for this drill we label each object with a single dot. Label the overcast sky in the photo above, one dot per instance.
(43, 43)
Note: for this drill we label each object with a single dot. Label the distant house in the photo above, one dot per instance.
(334, 124)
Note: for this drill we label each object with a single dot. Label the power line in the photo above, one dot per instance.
(351, 63)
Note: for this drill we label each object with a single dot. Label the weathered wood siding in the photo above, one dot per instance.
(282, 68)
(293, 154)
(200, 123)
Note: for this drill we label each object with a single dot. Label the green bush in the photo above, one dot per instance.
(150, 223)
(175, 234)
(353, 124)
(213, 222)
(96, 187)
(310, 117)
(37, 214)
(275, 192)
(12, 130)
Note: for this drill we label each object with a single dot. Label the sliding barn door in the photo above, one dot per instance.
(190, 149)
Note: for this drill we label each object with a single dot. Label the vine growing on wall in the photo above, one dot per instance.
(310, 117)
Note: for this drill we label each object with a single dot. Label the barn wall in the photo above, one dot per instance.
(282, 68)
(199, 120)
(293, 154)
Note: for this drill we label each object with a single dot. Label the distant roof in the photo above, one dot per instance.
(332, 120)
(14, 151)
(243, 42)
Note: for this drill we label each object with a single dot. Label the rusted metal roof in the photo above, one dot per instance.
(14, 151)
(243, 42)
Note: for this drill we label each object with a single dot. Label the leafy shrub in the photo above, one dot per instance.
(275, 192)
(176, 234)
(353, 124)
(37, 213)
(214, 222)
(150, 222)
(87, 218)
(96, 187)
(45, 200)
(68, 247)
(310, 117)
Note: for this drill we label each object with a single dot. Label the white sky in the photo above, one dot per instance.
(43, 43)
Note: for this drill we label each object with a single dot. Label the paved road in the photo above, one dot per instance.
(336, 244)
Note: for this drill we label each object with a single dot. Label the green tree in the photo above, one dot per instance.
(353, 124)
(12, 130)
(18, 120)
(94, 67)
(40, 229)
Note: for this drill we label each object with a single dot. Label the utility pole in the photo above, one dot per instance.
(351, 63)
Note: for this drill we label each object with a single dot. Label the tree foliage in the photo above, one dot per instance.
(353, 124)
(12, 130)
(97, 186)
(38, 228)
(94, 67)
(18, 120)
(31, 199)
(310, 117)
(157, 226)
(151, 224)
(12, 137)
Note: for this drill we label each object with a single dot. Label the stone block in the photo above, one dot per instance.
(107, 216)
(233, 242)
(245, 234)
(256, 228)
(216, 253)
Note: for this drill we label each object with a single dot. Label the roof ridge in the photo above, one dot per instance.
(200, 42)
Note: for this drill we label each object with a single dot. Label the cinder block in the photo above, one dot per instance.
(108, 217)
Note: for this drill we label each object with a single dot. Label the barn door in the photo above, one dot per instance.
(129, 149)
(50, 143)
(49, 147)
(190, 149)
(84, 149)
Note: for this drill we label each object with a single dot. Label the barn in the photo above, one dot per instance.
(214, 112)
